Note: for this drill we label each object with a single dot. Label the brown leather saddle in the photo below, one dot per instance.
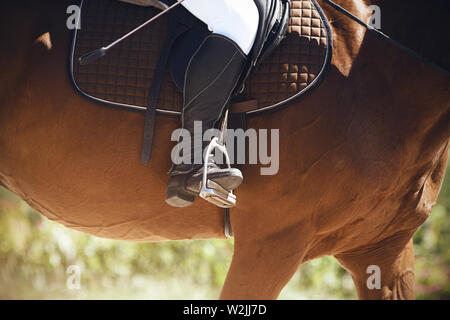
(122, 78)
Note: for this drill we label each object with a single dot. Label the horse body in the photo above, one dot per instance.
(362, 159)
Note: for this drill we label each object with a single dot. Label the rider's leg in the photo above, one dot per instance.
(211, 78)
(234, 19)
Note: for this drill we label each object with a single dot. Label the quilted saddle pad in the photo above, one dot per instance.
(122, 78)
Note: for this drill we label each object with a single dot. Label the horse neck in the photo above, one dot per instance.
(418, 92)
(422, 28)
(419, 26)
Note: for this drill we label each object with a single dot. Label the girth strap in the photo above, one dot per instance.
(227, 230)
(235, 121)
(150, 114)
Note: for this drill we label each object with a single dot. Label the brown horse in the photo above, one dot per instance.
(362, 157)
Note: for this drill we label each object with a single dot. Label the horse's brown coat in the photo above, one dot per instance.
(361, 159)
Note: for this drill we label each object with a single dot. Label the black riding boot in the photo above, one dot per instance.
(210, 80)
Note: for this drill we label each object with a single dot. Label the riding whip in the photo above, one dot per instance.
(96, 54)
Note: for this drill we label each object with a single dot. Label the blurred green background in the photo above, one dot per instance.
(35, 255)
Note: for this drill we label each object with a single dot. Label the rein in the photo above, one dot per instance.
(386, 37)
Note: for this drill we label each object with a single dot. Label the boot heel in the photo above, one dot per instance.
(176, 193)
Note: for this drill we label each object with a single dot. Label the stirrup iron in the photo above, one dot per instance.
(210, 190)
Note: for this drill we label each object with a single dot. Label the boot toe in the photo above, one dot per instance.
(229, 179)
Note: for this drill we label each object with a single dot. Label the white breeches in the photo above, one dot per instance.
(235, 19)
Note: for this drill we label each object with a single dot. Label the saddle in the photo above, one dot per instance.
(279, 74)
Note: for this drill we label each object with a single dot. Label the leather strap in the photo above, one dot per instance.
(150, 114)
(236, 120)
(244, 106)
(227, 230)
